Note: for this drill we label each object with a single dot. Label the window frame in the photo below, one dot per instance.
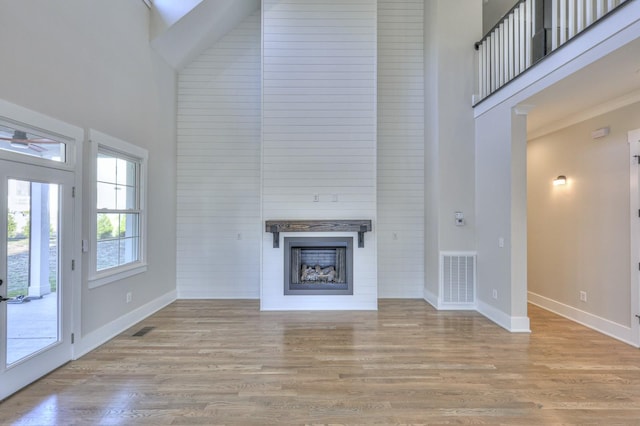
(29, 121)
(101, 142)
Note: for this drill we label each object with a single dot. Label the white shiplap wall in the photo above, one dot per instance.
(400, 148)
(218, 166)
(319, 132)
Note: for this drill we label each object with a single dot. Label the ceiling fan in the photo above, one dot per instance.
(20, 140)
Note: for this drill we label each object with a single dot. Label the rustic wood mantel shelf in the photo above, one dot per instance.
(277, 226)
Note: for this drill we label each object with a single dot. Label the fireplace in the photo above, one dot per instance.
(318, 265)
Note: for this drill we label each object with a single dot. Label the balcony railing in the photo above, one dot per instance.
(528, 32)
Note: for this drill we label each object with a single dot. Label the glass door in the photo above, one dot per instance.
(35, 227)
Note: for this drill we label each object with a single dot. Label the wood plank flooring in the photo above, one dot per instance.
(225, 362)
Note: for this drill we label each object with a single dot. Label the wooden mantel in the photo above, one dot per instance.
(277, 226)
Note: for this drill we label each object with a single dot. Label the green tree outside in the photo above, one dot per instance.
(11, 225)
(105, 228)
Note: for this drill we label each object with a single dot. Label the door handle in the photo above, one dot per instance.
(3, 299)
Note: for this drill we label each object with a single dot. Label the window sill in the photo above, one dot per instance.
(119, 274)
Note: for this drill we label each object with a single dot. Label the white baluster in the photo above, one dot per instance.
(554, 25)
(487, 67)
(571, 22)
(589, 17)
(580, 15)
(599, 9)
(510, 57)
(481, 63)
(516, 42)
(495, 73)
(563, 21)
(501, 55)
(528, 33)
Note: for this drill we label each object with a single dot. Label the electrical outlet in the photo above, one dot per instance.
(583, 296)
(129, 297)
(394, 235)
(494, 294)
(316, 198)
(501, 242)
(239, 236)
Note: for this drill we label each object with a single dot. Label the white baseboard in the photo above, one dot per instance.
(431, 298)
(87, 343)
(602, 325)
(512, 324)
(207, 294)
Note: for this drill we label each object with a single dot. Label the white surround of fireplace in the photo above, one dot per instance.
(365, 285)
(319, 123)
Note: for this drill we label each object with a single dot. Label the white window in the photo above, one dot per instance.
(119, 218)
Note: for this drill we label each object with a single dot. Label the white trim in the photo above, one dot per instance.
(214, 295)
(107, 332)
(602, 325)
(96, 140)
(120, 273)
(633, 139)
(70, 134)
(457, 306)
(512, 324)
(431, 298)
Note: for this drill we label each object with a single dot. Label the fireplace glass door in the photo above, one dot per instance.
(318, 265)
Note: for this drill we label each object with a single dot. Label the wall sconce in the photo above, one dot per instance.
(560, 180)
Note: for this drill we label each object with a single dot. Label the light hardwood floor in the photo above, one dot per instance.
(224, 362)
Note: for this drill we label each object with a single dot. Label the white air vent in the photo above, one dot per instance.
(457, 280)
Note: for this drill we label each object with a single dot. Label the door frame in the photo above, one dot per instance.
(26, 370)
(75, 138)
(634, 233)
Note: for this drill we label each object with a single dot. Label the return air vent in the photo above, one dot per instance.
(457, 280)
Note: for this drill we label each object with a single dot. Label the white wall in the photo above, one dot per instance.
(400, 148)
(579, 233)
(67, 61)
(501, 215)
(219, 231)
(493, 11)
(452, 27)
(319, 133)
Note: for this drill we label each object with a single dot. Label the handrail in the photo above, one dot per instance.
(531, 30)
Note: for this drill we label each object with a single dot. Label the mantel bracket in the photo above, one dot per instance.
(276, 236)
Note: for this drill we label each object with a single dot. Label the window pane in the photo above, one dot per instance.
(126, 172)
(117, 198)
(106, 225)
(126, 198)
(128, 250)
(31, 144)
(106, 168)
(107, 195)
(107, 254)
(129, 226)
